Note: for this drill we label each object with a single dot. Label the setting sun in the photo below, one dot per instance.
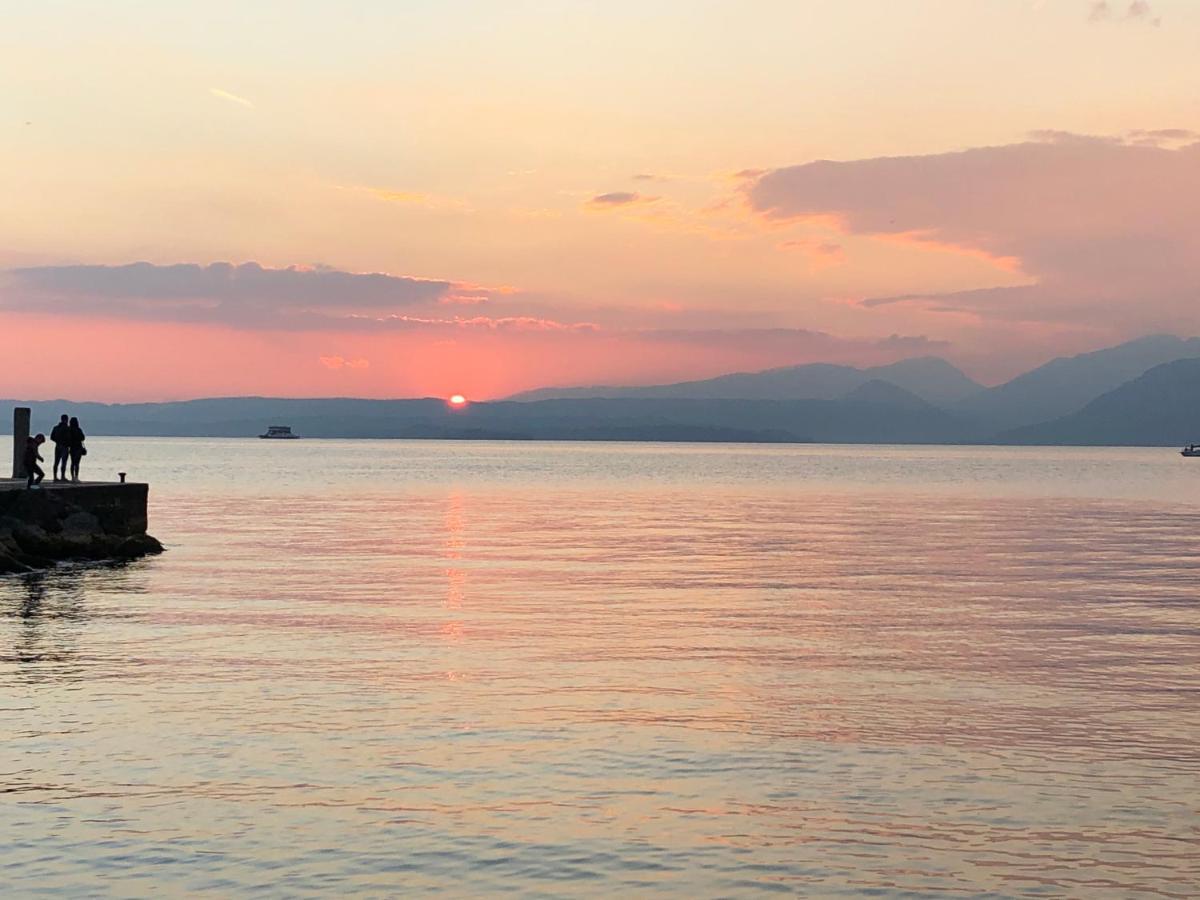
(457, 400)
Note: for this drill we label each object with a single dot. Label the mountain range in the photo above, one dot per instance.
(1144, 392)
(1027, 408)
(928, 377)
(1067, 384)
(1159, 407)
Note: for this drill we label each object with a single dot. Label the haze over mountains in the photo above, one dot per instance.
(1060, 389)
(1064, 385)
(1144, 392)
(928, 377)
(1161, 406)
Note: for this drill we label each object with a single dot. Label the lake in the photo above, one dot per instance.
(584, 669)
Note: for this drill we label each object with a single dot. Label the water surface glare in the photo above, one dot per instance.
(572, 669)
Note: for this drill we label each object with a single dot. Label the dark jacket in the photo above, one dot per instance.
(32, 457)
(61, 433)
(77, 438)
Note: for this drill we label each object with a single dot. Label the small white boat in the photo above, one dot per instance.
(279, 433)
(1190, 450)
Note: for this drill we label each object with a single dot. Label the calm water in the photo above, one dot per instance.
(390, 667)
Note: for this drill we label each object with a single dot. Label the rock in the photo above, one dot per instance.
(136, 546)
(8, 544)
(10, 565)
(81, 545)
(33, 539)
(81, 523)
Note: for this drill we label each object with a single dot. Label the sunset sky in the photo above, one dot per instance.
(409, 198)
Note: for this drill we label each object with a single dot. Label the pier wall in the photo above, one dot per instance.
(76, 521)
(119, 509)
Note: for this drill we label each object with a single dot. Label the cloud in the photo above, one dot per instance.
(617, 199)
(232, 98)
(222, 281)
(666, 215)
(1162, 136)
(1102, 228)
(338, 362)
(873, 302)
(247, 295)
(820, 254)
(1137, 11)
(480, 323)
(1056, 136)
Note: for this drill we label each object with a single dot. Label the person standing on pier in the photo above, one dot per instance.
(61, 436)
(33, 456)
(78, 451)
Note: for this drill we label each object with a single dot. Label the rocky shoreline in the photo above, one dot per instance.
(63, 523)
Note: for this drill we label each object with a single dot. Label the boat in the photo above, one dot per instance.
(279, 433)
(1190, 450)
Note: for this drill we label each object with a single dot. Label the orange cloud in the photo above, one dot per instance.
(919, 240)
(617, 199)
(338, 362)
(232, 98)
(820, 254)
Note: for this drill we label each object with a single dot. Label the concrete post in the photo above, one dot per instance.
(20, 436)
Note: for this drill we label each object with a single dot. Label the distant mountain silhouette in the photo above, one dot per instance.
(834, 421)
(930, 378)
(887, 394)
(1066, 384)
(863, 419)
(1158, 408)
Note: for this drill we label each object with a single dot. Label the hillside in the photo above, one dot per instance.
(929, 378)
(1065, 385)
(887, 394)
(1159, 408)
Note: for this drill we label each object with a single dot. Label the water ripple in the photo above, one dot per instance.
(553, 670)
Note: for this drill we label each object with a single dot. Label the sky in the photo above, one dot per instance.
(409, 198)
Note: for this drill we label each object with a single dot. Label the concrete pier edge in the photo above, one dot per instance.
(59, 522)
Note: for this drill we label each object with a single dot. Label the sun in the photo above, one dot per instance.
(457, 401)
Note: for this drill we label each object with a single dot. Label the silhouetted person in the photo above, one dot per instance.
(78, 451)
(32, 457)
(61, 436)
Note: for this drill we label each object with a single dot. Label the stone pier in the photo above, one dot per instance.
(61, 521)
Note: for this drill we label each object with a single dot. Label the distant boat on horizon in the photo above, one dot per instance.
(279, 433)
